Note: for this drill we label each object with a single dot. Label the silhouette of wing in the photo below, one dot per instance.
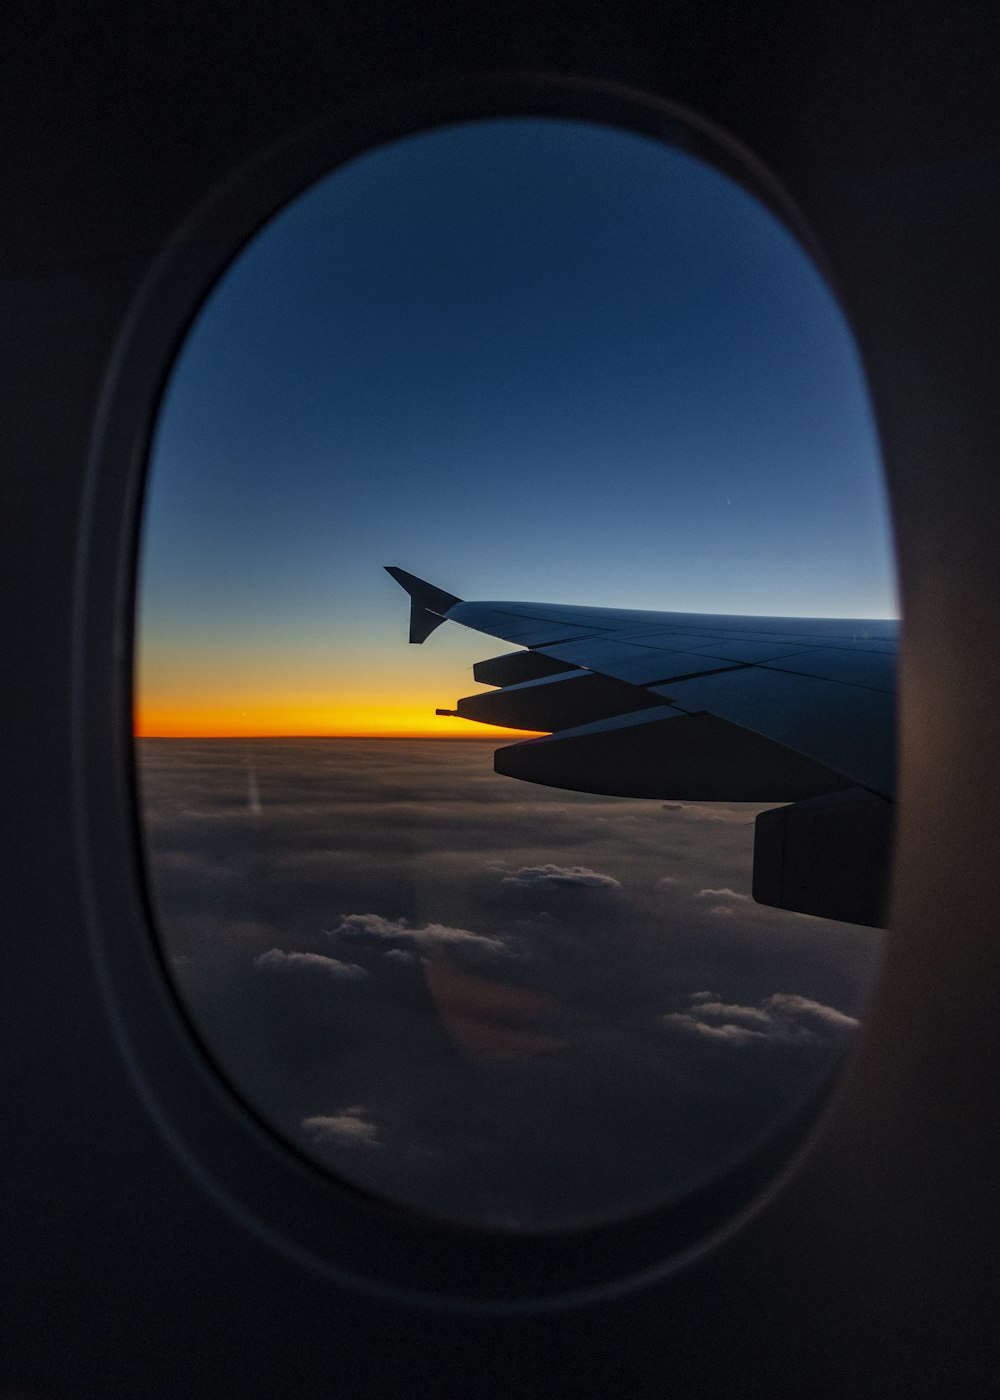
(705, 707)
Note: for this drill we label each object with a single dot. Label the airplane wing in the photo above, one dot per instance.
(704, 707)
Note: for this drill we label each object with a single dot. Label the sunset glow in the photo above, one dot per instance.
(528, 360)
(273, 684)
(228, 716)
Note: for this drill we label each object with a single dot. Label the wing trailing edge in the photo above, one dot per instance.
(705, 708)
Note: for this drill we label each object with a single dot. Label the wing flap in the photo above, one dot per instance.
(872, 669)
(847, 728)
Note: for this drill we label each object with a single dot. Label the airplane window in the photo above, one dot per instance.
(600, 414)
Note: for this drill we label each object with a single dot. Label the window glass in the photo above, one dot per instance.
(521, 359)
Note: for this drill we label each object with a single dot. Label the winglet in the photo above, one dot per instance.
(428, 605)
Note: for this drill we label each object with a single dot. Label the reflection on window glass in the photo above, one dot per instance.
(530, 360)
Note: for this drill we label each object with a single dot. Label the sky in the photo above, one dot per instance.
(490, 1001)
(525, 359)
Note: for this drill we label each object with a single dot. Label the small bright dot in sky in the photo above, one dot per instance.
(526, 359)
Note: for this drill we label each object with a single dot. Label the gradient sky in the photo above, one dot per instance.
(529, 359)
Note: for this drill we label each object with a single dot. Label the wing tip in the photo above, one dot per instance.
(429, 605)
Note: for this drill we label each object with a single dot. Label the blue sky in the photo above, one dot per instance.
(532, 359)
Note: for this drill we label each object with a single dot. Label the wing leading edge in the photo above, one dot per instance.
(705, 707)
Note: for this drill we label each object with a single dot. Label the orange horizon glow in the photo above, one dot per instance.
(216, 686)
(320, 721)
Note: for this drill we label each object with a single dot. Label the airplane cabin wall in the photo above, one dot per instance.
(874, 1271)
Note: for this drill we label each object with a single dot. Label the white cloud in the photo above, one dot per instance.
(370, 926)
(559, 877)
(310, 963)
(737, 1035)
(349, 1128)
(724, 893)
(729, 1013)
(811, 1013)
(781, 1019)
(373, 928)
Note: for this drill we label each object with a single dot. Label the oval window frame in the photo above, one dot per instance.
(322, 1222)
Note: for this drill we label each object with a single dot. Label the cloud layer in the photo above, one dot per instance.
(482, 998)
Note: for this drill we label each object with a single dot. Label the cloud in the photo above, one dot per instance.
(374, 930)
(560, 877)
(348, 1128)
(310, 963)
(823, 1019)
(728, 1014)
(370, 927)
(781, 1019)
(731, 899)
(505, 1058)
(739, 814)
